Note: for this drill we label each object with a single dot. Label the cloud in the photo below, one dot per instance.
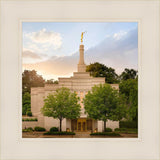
(120, 52)
(46, 38)
(119, 35)
(30, 54)
(56, 65)
(31, 57)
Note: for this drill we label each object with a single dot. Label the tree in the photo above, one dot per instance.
(26, 103)
(128, 74)
(104, 103)
(129, 88)
(100, 70)
(31, 79)
(62, 104)
(51, 81)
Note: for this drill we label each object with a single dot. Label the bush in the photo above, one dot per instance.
(106, 134)
(59, 133)
(29, 119)
(29, 113)
(39, 129)
(108, 130)
(23, 111)
(120, 129)
(54, 129)
(30, 129)
(128, 124)
(126, 130)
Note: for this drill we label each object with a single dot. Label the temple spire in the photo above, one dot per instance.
(81, 64)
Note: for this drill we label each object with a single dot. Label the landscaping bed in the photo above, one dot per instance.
(127, 130)
(59, 133)
(105, 134)
(57, 136)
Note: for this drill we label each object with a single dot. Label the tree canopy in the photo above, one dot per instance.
(100, 70)
(104, 103)
(62, 104)
(129, 88)
(31, 79)
(26, 103)
(51, 81)
(128, 74)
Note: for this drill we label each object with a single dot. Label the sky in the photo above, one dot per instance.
(52, 48)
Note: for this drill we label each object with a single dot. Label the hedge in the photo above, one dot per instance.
(59, 133)
(29, 119)
(106, 134)
(54, 129)
(126, 130)
(39, 129)
(108, 130)
(128, 124)
(29, 113)
(30, 129)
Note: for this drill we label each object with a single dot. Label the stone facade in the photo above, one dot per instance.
(81, 82)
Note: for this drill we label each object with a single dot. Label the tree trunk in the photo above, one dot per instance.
(104, 125)
(60, 124)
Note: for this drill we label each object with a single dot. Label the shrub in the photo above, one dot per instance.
(108, 130)
(39, 129)
(30, 129)
(29, 113)
(29, 119)
(120, 129)
(128, 124)
(59, 133)
(23, 111)
(106, 134)
(126, 130)
(54, 129)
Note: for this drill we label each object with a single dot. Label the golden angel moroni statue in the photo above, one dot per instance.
(82, 36)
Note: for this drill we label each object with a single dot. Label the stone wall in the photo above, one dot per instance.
(27, 124)
(50, 122)
(112, 124)
(109, 124)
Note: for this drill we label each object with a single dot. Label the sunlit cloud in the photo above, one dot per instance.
(30, 54)
(46, 38)
(119, 35)
(31, 57)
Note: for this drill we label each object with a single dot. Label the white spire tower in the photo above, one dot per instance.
(81, 64)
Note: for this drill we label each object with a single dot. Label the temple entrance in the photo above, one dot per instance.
(81, 125)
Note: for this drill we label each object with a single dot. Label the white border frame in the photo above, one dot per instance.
(19, 136)
(148, 152)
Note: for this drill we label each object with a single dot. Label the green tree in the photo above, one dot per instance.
(62, 104)
(100, 70)
(31, 79)
(104, 103)
(128, 74)
(51, 81)
(129, 88)
(26, 103)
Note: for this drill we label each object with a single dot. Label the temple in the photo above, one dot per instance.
(81, 82)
